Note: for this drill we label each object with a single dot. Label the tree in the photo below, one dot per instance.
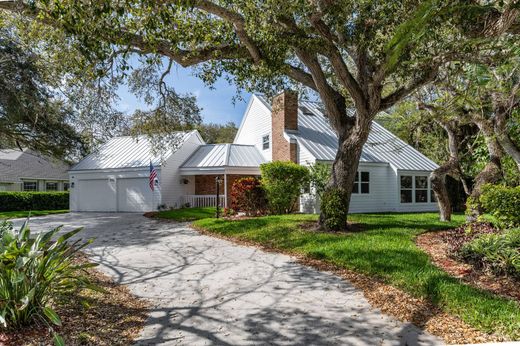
(30, 117)
(218, 133)
(352, 53)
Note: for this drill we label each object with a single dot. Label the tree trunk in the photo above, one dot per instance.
(450, 167)
(503, 138)
(492, 172)
(345, 166)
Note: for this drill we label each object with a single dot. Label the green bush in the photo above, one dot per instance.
(499, 253)
(333, 210)
(34, 271)
(283, 182)
(503, 203)
(319, 175)
(13, 201)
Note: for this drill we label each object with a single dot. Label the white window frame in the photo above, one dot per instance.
(268, 142)
(30, 181)
(413, 189)
(359, 183)
(52, 182)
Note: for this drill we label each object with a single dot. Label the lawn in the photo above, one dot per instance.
(187, 214)
(18, 214)
(384, 249)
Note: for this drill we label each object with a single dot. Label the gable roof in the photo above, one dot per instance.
(224, 155)
(16, 164)
(128, 152)
(317, 136)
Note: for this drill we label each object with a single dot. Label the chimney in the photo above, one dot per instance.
(284, 118)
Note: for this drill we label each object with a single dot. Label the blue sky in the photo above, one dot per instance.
(217, 103)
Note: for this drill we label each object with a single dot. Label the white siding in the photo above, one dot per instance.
(305, 157)
(256, 124)
(381, 197)
(172, 185)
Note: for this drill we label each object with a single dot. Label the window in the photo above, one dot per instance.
(51, 186)
(362, 183)
(30, 186)
(66, 186)
(416, 189)
(265, 142)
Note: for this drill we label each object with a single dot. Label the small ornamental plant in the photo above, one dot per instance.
(248, 196)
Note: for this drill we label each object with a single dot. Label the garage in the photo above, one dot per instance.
(98, 195)
(134, 194)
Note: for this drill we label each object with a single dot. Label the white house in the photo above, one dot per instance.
(392, 175)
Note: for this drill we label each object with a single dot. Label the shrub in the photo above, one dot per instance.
(499, 253)
(33, 272)
(333, 211)
(248, 195)
(13, 201)
(503, 203)
(283, 182)
(319, 176)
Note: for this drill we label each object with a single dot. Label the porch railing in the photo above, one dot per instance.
(195, 201)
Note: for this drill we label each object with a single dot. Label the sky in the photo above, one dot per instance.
(217, 103)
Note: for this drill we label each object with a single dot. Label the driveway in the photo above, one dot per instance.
(207, 291)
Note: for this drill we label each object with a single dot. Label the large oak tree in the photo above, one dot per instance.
(362, 54)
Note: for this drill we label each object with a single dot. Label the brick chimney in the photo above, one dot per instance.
(284, 117)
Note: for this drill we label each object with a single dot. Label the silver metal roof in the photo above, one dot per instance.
(224, 155)
(128, 152)
(317, 136)
(16, 164)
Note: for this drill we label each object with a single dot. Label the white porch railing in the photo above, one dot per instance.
(196, 201)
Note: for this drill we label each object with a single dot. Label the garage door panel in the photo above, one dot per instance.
(134, 195)
(96, 195)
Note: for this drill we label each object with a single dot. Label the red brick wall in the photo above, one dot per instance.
(284, 117)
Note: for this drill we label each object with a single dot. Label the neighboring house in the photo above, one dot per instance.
(26, 170)
(392, 175)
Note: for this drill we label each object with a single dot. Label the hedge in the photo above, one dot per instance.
(14, 201)
(503, 203)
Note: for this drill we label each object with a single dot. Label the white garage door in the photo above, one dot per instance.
(134, 194)
(96, 195)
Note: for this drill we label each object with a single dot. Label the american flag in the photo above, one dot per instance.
(153, 176)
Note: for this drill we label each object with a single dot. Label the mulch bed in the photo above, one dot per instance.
(390, 300)
(441, 245)
(113, 317)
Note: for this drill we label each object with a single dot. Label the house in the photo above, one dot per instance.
(27, 170)
(116, 177)
(392, 175)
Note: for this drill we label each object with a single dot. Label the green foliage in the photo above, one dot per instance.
(499, 253)
(333, 209)
(13, 201)
(248, 195)
(319, 176)
(385, 249)
(218, 133)
(34, 271)
(503, 203)
(283, 182)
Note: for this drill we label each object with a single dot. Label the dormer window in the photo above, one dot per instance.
(265, 142)
(306, 111)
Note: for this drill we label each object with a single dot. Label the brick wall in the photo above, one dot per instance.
(284, 117)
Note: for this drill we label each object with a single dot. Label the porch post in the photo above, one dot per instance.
(225, 190)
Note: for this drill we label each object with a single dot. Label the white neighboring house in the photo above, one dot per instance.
(392, 175)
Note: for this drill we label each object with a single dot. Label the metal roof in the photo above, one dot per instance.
(128, 152)
(316, 135)
(16, 164)
(224, 155)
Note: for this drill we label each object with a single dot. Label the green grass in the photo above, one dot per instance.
(187, 214)
(384, 249)
(18, 214)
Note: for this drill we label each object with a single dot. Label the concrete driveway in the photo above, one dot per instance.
(207, 291)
